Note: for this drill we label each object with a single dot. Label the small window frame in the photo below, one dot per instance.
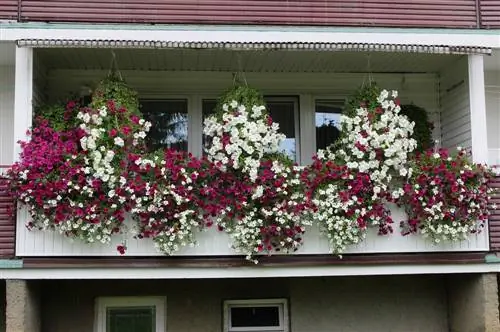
(282, 305)
(102, 303)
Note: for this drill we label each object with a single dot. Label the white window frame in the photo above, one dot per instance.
(282, 304)
(102, 303)
(296, 101)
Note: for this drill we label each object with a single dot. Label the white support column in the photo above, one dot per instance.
(23, 95)
(307, 129)
(477, 98)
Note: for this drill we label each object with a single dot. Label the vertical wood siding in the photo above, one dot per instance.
(490, 14)
(494, 219)
(455, 113)
(415, 13)
(7, 222)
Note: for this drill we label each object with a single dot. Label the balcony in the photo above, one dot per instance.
(203, 74)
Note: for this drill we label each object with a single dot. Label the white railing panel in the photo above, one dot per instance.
(214, 243)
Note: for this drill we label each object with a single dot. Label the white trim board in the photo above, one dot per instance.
(263, 35)
(242, 272)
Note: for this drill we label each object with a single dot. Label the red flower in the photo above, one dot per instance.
(113, 132)
(121, 248)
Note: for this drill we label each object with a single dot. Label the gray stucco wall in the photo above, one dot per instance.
(403, 303)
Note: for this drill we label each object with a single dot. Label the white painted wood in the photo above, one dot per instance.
(479, 136)
(23, 109)
(239, 34)
(6, 115)
(455, 119)
(250, 271)
(214, 243)
(307, 129)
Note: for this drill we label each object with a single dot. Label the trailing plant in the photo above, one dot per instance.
(113, 87)
(365, 96)
(60, 117)
(446, 197)
(242, 95)
(81, 180)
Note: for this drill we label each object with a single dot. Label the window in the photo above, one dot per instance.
(207, 109)
(327, 121)
(169, 119)
(256, 315)
(130, 314)
(285, 111)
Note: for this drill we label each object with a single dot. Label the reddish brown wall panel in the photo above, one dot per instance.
(494, 220)
(411, 13)
(7, 223)
(8, 9)
(490, 14)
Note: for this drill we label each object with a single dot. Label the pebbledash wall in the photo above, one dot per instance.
(375, 304)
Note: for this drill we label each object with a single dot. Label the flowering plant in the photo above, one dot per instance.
(81, 180)
(349, 186)
(245, 142)
(270, 213)
(174, 194)
(346, 202)
(241, 137)
(377, 141)
(73, 181)
(446, 197)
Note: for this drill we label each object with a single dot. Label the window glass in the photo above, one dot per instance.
(283, 112)
(208, 108)
(255, 316)
(169, 119)
(327, 119)
(130, 319)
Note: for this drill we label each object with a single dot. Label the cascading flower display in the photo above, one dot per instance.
(446, 197)
(77, 187)
(84, 181)
(377, 141)
(345, 204)
(241, 135)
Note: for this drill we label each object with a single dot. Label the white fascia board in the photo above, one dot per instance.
(242, 272)
(200, 33)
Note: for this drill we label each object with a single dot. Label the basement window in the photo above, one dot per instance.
(256, 315)
(130, 314)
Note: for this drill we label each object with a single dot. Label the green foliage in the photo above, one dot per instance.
(61, 116)
(422, 132)
(114, 87)
(243, 95)
(365, 96)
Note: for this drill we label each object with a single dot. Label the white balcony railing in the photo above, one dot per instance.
(215, 243)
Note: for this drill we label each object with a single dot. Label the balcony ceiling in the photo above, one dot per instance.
(248, 61)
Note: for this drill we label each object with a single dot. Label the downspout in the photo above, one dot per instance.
(478, 14)
(19, 11)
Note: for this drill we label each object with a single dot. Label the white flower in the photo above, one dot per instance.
(119, 141)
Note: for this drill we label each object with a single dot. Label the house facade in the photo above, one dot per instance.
(306, 57)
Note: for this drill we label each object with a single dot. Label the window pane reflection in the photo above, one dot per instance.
(132, 319)
(327, 122)
(208, 108)
(169, 123)
(283, 112)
